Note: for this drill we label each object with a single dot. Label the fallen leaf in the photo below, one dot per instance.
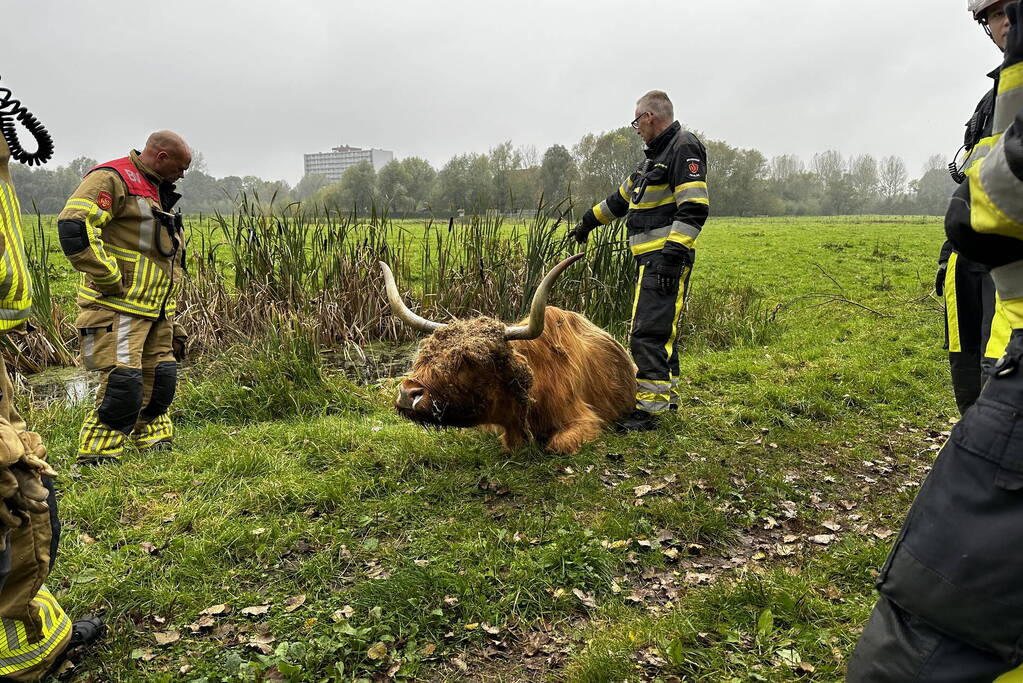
(378, 651)
(883, 533)
(641, 491)
(670, 553)
(166, 637)
(86, 539)
(697, 578)
(831, 525)
(462, 666)
(259, 531)
(185, 669)
(345, 612)
(216, 610)
(822, 539)
(492, 630)
(201, 624)
(450, 600)
(255, 610)
(472, 627)
(428, 649)
(143, 653)
(148, 547)
(665, 536)
(294, 602)
(585, 598)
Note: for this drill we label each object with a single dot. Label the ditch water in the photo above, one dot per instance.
(72, 386)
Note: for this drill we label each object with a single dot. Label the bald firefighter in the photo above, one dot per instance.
(35, 633)
(951, 605)
(976, 330)
(118, 229)
(665, 202)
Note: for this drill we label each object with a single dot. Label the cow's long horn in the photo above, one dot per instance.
(534, 326)
(401, 310)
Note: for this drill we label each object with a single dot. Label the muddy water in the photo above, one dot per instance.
(372, 364)
(73, 386)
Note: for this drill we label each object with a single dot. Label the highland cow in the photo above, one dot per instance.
(555, 378)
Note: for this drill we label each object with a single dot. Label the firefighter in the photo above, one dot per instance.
(118, 230)
(951, 604)
(666, 203)
(36, 634)
(976, 330)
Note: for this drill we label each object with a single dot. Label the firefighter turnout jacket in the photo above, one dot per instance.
(951, 604)
(35, 630)
(15, 282)
(665, 197)
(976, 330)
(118, 231)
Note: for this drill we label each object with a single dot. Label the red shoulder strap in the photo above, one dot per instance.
(138, 184)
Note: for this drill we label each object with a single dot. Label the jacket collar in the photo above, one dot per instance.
(152, 175)
(658, 144)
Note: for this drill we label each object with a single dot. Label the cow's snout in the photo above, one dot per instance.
(411, 396)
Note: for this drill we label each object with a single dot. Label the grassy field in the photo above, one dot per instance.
(300, 531)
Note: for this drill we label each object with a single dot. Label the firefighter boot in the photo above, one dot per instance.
(639, 421)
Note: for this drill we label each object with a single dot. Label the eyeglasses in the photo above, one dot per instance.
(635, 121)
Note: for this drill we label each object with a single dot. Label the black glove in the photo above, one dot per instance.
(580, 232)
(939, 279)
(667, 276)
(1014, 41)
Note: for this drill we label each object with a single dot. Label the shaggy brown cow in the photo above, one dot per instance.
(556, 378)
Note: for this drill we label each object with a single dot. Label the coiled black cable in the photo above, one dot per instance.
(11, 111)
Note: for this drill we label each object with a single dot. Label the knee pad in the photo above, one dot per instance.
(122, 399)
(165, 382)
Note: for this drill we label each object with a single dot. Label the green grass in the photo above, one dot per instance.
(814, 349)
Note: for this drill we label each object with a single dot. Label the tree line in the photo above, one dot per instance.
(743, 182)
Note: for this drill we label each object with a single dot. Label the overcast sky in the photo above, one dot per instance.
(254, 84)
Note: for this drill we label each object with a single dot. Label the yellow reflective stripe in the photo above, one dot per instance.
(623, 191)
(654, 196)
(684, 240)
(1001, 330)
(94, 221)
(647, 247)
(650, 397)
(679, 303)
(122, 253)
(56, 628)
(1014, 676)
(951, 305)
(635, 298)
(604, 217)
(117, 303)
(15, 251)
(694, 192)
(985, 215)
(1013, 309)
(1010, 78)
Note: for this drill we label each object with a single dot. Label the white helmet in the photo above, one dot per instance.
(978, 6)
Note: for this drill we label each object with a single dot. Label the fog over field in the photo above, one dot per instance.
(255, 84)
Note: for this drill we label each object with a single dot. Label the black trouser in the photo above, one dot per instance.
(970, 309)
(656, 316)
(952, 587)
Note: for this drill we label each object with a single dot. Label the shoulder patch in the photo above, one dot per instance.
(104, 200)
(695, 167)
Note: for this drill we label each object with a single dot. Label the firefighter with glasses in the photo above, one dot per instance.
(666, 204)
(976, 329)
(951, 605)
(118, 229)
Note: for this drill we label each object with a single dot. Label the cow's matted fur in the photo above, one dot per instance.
(559, 389)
